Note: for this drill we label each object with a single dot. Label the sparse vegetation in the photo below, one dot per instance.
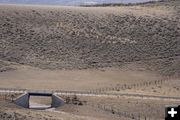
(115, 49)
(63, 39)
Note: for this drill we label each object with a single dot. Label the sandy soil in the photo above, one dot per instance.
(10, 111)
(79, 80)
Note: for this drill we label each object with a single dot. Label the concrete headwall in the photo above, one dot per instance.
(56, 101)
(23, 100)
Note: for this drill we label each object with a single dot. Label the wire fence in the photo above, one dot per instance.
(131, 86)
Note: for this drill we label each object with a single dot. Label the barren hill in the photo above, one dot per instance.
(79, 37)
(128, 51)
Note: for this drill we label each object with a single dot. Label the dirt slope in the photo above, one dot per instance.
(80, 38)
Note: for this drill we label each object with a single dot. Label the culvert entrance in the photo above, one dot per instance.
(37, 99)
(40, 102)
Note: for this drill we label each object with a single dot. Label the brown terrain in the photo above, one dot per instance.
(132, 49)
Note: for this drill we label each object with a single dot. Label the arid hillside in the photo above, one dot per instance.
(80, 38)
(114, 62)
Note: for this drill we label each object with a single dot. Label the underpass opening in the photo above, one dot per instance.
(40, 102)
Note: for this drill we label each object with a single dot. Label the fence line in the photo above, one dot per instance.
(131, 86)
(116, 111)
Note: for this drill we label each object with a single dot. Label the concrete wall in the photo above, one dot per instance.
(56, 101)
(23, 100)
